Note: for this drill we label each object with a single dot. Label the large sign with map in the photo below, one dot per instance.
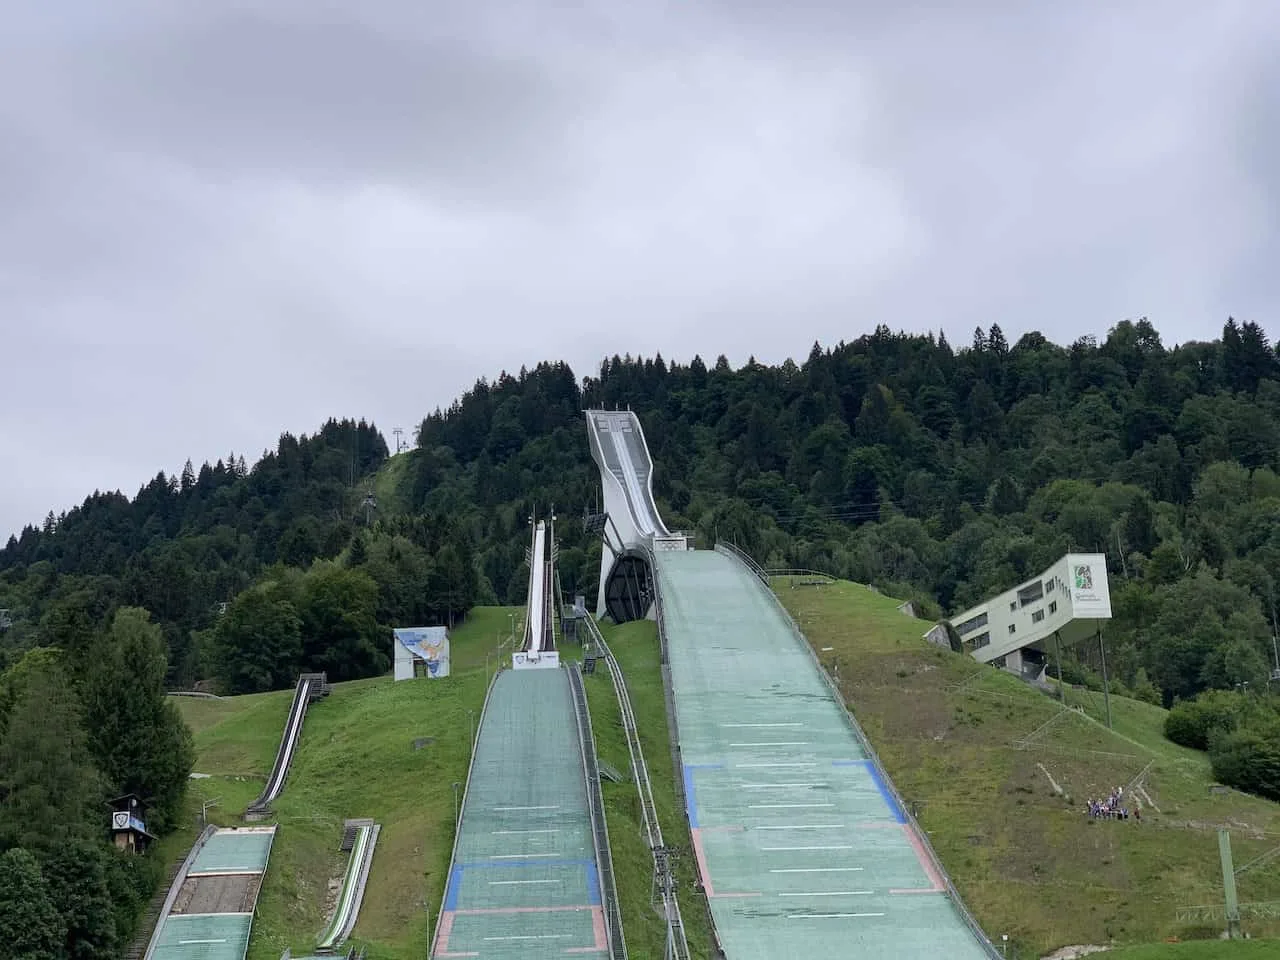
(427, 646)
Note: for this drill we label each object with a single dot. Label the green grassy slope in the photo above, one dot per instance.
(1197, 950)
(1025, 857)
(391, 485)
(636, 647)
(356, 758)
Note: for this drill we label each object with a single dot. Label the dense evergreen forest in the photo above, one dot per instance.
(938, 474)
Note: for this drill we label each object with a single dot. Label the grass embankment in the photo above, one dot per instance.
(636, 647)
(1196, 950)
(356, 758)
(1025, 857)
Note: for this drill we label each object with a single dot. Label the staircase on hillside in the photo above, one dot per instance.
(151, 916)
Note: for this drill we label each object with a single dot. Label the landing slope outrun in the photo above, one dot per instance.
(524, 882)
(802, 849)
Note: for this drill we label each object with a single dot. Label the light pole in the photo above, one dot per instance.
(456, 785)
(1106, 686)
(205, 807)
(471, 718)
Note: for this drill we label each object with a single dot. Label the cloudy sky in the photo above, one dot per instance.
(221, 220)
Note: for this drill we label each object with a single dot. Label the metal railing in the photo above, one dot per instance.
(599, 823)
(462, 810)
(732, 550)
(799, 572)
(677, 941)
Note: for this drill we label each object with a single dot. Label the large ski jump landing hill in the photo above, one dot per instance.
(802, 846)
(803, 849)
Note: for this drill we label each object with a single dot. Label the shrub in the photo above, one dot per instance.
(1193, 722)
(1249, 759)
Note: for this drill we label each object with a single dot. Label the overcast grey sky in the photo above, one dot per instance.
(221, 220)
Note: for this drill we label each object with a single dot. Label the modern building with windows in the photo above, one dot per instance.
(1020, 628)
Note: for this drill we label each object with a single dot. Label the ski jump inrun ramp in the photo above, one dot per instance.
(311, 686)
(801, 843)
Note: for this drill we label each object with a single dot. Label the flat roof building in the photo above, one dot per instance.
(1017, 629)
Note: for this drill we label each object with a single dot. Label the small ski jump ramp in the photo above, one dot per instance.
(311, 686)
(209, 911)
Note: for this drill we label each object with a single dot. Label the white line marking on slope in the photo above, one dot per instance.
(521, 856)
(830, 893)
(779, 764)
(555, 806)
(781, 806)
(774, 743)
(842, 846)
(829, 916)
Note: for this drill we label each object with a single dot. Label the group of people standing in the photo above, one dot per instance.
(1113, 807)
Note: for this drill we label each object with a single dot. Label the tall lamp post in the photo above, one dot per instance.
(456, 785)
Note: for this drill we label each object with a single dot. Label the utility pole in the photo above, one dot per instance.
(1229, 885)
(398, 433)
(1062, 689)
(1106, 684)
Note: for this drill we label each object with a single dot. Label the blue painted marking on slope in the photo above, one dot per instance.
(690, 802)
(455, 880)
(885, 793)
(593, 885)
(690, 806)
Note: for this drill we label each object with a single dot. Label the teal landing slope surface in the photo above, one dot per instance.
(524, 882)
(802, 848)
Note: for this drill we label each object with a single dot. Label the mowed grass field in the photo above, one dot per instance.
(356, 758)
(1023, 854)
(635, 645)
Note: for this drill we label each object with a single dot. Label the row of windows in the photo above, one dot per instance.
(973, 623)
(1036, 616)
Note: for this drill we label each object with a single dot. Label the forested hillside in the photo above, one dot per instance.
(940, 474)
(190, 543)
(935, 473)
